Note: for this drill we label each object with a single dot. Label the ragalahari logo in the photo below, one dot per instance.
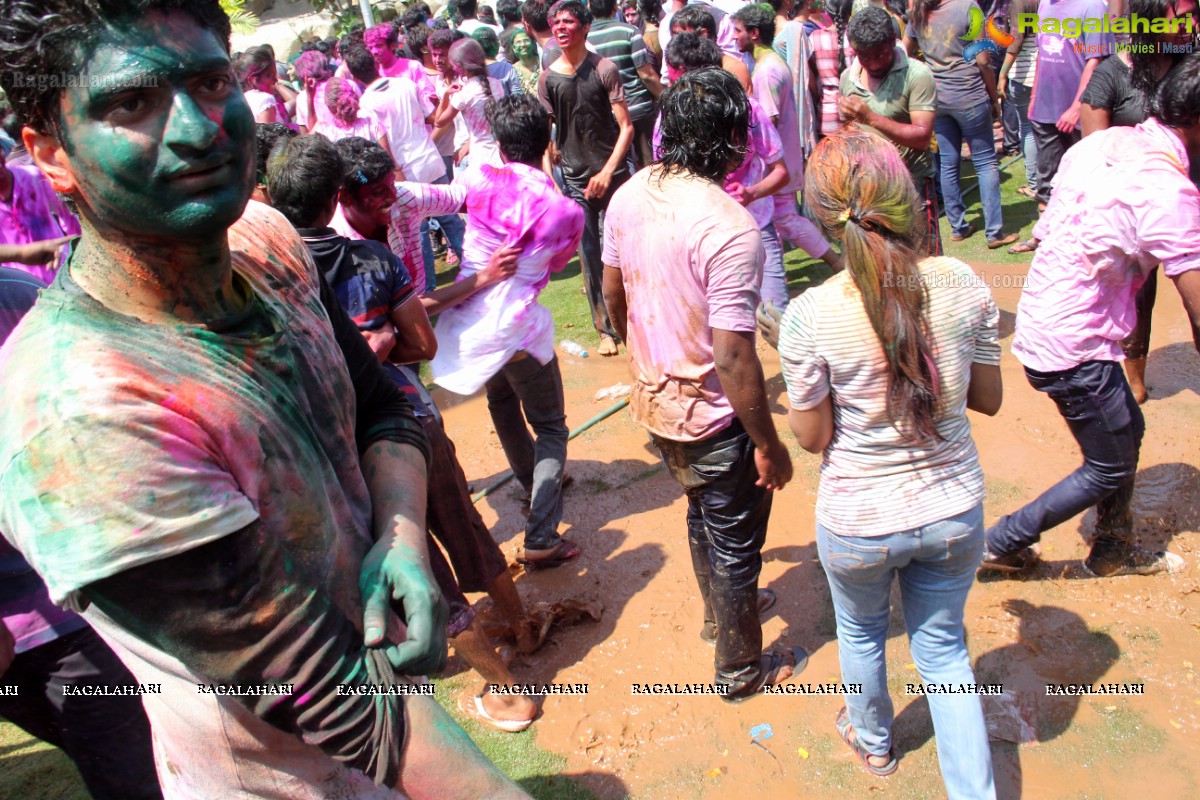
(984, 34)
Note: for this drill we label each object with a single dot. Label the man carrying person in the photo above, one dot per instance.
(886, 90)
(754, 27)
(584, 96)
(200, 452)
(698, 384)
(1122, 203)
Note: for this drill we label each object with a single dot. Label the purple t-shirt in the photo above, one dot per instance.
(34, 214)
(772, 82)
(1061, 59)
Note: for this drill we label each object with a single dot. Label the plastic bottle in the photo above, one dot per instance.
(573, 348)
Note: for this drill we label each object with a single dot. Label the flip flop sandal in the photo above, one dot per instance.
(772, 663)
(846, 731)
(766, 601)
(1025, 191)
(560, 554)
(1027, 246)
(478, 712)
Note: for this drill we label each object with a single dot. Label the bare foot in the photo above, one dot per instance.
(509, 708)
(608, 346)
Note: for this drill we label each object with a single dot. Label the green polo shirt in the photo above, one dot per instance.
(908, 87)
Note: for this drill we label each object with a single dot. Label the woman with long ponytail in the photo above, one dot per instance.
(881, 363)
(472, 94)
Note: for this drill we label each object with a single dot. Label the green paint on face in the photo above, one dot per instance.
(523, 47)
(161, 140)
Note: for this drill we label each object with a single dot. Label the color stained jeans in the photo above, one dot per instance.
(935, 565)
(526, 390)
(1020, 95)
(774, 281)
(591, 249)
(727, 524)
(1104, 418)
(974, 125)
(108, 737)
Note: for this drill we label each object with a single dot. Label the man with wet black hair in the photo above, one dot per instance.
(699, 387)
(200, 452)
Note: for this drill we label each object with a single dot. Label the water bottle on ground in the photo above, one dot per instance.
(573, 348)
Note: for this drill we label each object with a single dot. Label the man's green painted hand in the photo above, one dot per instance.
(394, 575)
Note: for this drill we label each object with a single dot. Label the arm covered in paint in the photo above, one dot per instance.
(238, 612)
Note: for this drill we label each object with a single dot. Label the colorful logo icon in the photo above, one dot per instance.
(984, 34)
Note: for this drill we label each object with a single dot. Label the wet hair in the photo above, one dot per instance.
(651, 10)
(467, 9)
(535, 14)
(509, 12)
(870, 28)
(312, 64)
(251, 64)
(689, 50)
(697, 18)
(573, 7)
(839, 11)
(343, 95)
(757, 17)
(266, 134)
(705, 124)
(441, 39)
(302, 175)
(521, 128)
(384, 33)
(488, 40)
(466, 56)
(858, 189)
(361, 64)
(363, 162)
(602, 8)
(417, 40)
(1177, 101)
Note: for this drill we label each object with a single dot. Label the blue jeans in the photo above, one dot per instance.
(975, 125)
(774, 282)
(936, 567)
(452, 226)
(1021, 95)
(1105, 419)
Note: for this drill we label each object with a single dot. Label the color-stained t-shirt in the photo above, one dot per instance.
(415, 72)
(792, 45)
(400, 109)
(624, 46)
(471, 101)
(1061, 59)
(260, 102)
(414, 202)
(320, 107)
(824, 41)
(368, 280)
(142, 442)
(874, 481)
(909, 86)
(586, 130)
(513, 205)
(25, 606)
(959, 83)
(1111, 88)
(35, 213)
(691, 260)
(764, 147)
(364, 126)
(1122, 204)
(772, 84)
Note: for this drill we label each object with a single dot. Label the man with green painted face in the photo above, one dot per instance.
(200, 453)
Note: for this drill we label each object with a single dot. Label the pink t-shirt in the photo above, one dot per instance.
(1122, 203)
(772, 84)
(415, 72)
(471, 102)
(516, 205)
(691, 260)
(319, 106)
(34, 214)
(365, 126)
(764, 147)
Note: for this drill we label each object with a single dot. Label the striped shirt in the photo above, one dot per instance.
(824, 43)
(624, 46)
(873, 480)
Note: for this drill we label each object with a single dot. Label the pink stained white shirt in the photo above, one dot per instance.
(771, 81)
(401, 109)
(471, 103)
(320, 107)
(365, 126)
(414, 202)
(35, 213)
(415, 72)
(511, 205)
(691, 259)
(1122, 203)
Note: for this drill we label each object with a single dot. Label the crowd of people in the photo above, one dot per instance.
(219, 465)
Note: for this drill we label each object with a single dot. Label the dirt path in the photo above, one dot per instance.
(1056, 626)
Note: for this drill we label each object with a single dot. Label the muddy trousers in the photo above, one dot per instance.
(727, 525)
(1105, 420)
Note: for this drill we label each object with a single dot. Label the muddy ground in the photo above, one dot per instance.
(1057, 625)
